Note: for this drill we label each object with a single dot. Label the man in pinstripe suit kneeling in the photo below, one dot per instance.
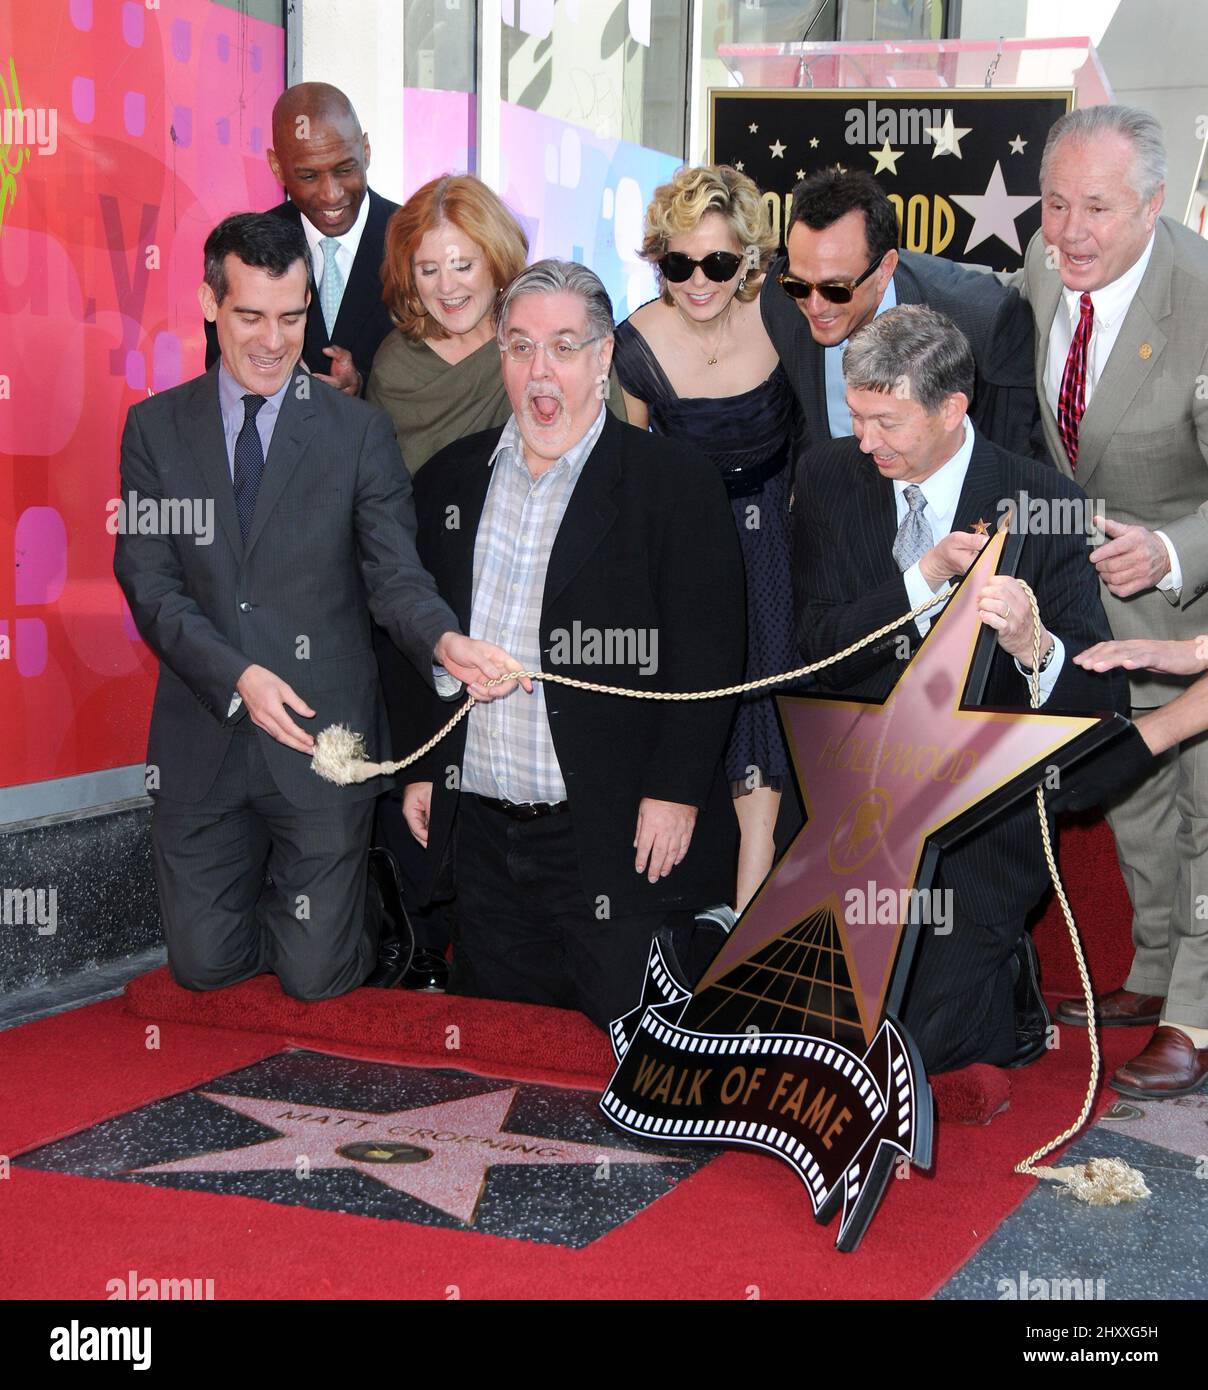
(881, 521)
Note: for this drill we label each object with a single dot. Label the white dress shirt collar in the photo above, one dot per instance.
(349, 242)
(1111, 302)
(943, 488)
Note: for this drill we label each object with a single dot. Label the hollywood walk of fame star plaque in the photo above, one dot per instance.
(790, 1043)
(429, 1147)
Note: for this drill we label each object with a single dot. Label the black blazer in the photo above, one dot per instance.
(993, 316)
(647, 541)
(363, 320)
(332, 542)
(846, 583)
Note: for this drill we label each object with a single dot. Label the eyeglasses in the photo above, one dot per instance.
(719, 266)
(834, 291)
(562, 350)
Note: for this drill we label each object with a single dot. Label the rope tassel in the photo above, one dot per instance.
(1101, 1182)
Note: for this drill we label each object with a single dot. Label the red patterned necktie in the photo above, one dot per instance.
(1071, 402)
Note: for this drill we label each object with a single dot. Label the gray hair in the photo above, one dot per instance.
(557, 277)
(911, 351)
(1142, 129)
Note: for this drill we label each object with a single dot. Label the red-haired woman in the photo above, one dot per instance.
(450, 249)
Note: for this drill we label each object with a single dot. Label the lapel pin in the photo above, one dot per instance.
(981, 528)
(1145, 351)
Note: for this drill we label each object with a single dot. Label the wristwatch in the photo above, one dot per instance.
(1045, 661)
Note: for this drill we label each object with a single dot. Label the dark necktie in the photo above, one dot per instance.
(1071, 401)
(249, 464)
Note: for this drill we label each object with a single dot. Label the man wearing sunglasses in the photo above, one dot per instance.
(843, 268)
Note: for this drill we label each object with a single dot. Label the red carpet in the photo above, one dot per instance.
(500, 1039)
(1091, 873)
(742, 1220)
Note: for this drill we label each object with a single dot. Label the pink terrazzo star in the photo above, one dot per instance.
(440, 1154)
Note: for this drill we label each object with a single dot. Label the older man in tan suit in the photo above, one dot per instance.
(1120, 298)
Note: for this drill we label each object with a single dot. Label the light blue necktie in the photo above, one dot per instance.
(914, 538)
(331, 291)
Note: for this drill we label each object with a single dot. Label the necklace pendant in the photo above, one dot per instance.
(712, 362)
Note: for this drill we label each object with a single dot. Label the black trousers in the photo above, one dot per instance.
(523, 926)
(433, 924)
(959, 1005)
(223, 922)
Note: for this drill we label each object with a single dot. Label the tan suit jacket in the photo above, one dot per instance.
(1143, 443)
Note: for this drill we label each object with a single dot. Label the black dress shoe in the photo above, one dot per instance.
(1032, 1017)
(428, 971)
(384, 906)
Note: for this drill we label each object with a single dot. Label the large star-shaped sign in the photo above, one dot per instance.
(994, 212)
(878, 781)
(440, 1153)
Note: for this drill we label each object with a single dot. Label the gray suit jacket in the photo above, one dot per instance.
(1143, 442)
(332, 543)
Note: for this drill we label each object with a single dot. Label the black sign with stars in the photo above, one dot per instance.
(961, 167)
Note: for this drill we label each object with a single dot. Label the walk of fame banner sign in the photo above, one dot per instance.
(790, 1043)
(961, 166)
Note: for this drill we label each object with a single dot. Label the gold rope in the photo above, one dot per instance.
(1101, 1181)
(339, 754)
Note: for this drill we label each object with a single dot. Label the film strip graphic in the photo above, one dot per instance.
(839, 1120)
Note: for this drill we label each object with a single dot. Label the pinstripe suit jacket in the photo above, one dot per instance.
(332, 541)
(993, 316)
(846, 583)
(1143, 442)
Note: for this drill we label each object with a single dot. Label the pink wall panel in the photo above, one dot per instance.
(149, 123)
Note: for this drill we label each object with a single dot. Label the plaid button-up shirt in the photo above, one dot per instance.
(509, 750)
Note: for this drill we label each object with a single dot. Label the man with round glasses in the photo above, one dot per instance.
(585, 822)
(843, 268)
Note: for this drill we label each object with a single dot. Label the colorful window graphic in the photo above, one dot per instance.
(139, 127)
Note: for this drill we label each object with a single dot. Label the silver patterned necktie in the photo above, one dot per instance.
(331, 291)
(914, 538)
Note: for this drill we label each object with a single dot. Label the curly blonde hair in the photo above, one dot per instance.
(677, 207)
(466, 203)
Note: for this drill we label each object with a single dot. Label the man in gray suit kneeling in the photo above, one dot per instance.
(261, 623)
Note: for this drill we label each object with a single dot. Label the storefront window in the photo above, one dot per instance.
(439, 44)
(618, 68)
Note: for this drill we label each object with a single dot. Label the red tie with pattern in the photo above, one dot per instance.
(1071, 402)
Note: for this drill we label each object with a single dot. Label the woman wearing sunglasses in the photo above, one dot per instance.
(695, 364)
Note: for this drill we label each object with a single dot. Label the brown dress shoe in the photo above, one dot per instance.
(1119, 1009)
(1170, 1065)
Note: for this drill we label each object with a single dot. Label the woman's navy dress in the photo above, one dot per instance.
(749, 437)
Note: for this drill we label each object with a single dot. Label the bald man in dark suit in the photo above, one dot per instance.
(320, 155)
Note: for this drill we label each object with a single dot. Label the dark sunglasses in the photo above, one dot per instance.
(719, 266)
(834, 291)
